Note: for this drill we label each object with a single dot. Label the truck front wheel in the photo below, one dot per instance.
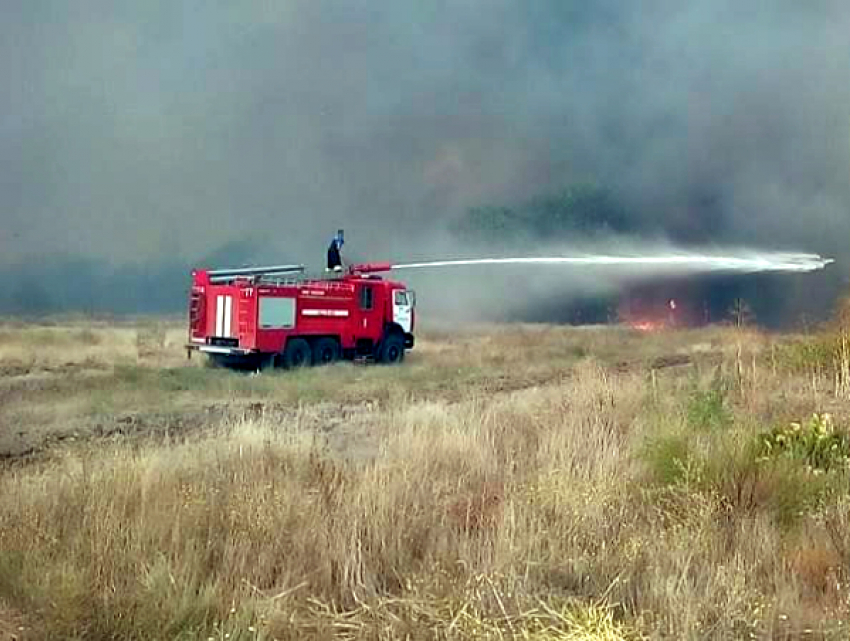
(392, 349)
(297, 354)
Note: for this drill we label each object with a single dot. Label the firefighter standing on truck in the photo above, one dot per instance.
(334, 258)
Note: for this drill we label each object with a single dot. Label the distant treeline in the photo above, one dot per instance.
(72, 284)
(583, 210)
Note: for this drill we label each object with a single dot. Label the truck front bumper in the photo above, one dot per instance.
(215, 349)
(409, 341)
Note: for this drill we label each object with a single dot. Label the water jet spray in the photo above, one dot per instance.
(747, 262)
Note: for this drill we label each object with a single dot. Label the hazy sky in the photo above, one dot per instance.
(130, 131)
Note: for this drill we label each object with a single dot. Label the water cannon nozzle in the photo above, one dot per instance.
(370, 268)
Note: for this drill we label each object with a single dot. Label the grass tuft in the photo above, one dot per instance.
(708, 410)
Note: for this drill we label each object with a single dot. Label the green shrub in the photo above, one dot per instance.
(817, 444)
(669, 459)
(707, 409)
(786, 472)
(733, 471)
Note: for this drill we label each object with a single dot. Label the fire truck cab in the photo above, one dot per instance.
(261, 317)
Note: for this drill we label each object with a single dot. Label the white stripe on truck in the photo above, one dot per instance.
(219, 315)
(223, 316)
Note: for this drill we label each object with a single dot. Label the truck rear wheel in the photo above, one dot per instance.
(392, 350)
(325, 351)
(297, 354)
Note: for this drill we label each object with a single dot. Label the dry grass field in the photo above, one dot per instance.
(508, 482)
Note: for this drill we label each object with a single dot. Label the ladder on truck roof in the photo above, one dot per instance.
(278, 275)
(218, 276)
(330, 285)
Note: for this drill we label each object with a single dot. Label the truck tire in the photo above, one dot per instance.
(392, 350)
(297, 354)
(325, 351)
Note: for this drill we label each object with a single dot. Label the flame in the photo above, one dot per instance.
(646, 317)
(647, 325)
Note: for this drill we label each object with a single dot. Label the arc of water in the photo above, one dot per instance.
(763, 262)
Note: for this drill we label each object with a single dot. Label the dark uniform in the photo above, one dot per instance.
(334, 258)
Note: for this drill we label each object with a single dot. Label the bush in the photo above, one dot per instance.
(816, 444)
(669, 459)
(707, 409)
(746, 484)
(786, 471)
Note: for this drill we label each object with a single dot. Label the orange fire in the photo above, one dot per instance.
(647, 325)
(645, 317)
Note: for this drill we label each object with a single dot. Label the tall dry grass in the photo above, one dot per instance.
(533, 513)
(90, 344)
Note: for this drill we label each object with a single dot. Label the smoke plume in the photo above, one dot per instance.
(140, 138)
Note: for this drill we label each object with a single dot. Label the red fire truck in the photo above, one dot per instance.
(273, 316)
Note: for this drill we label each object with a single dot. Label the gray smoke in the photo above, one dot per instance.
(137, 134)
